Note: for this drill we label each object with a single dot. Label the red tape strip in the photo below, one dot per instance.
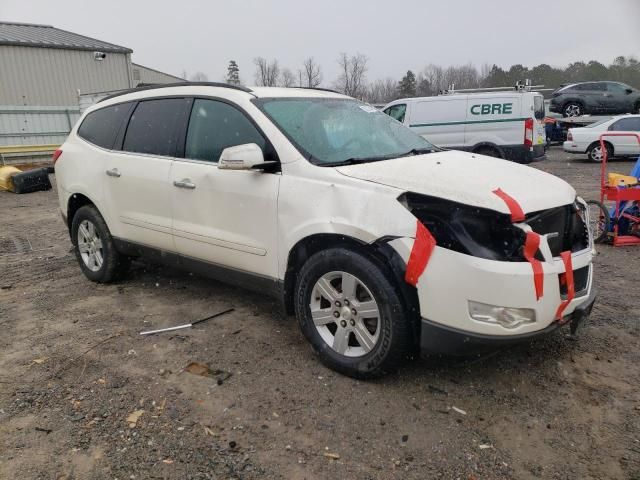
(567, 276)
(531, 245)
(420, 253)
(517, 215)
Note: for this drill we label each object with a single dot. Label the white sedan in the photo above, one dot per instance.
(586, 139)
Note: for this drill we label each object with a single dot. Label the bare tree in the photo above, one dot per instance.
(199, 77)
(382, 91)
(311, 74)
(352, 75)
(267, 74)
(287, 78)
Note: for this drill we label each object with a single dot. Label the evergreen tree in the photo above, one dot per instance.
(407, 86)
(233, 73)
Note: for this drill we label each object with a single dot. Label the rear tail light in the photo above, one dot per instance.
(528, 132)
(570, 136)
(56, 156)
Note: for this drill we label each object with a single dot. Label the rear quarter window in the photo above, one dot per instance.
(101, 127)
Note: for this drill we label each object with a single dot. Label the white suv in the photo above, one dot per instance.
(376, 240)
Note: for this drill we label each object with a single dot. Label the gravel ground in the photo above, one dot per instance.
(73, 369)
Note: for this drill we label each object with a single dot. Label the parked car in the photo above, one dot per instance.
(378, 241)
(595, 98)
(499, 124)
(587, 139)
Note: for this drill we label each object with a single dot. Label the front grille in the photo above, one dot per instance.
(565, 227)
(580, 282)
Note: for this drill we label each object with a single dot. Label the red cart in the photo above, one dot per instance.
(618, 194)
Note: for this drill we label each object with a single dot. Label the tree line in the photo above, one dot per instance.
(432, 79)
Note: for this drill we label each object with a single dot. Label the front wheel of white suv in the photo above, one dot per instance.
(352, 315)
(94, 247)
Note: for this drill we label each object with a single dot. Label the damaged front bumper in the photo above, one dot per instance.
(436, 338)
(453, 281)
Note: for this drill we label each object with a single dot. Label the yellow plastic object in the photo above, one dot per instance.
(5, 177)
(619, 180)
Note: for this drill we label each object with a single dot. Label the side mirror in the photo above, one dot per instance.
(241, 157)
(629, 90)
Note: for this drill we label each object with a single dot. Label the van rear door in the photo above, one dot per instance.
(539, 114)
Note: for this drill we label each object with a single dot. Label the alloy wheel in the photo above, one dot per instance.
(573, 110)
(90, 246)
(345, 314)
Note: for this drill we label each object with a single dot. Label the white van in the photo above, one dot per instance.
(499, 124)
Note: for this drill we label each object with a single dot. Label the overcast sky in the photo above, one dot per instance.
(203, 35)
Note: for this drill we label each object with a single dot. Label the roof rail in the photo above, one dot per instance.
(320, 89)
(177, 84)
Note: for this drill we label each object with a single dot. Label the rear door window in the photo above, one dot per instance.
(538, 107)
(153, 126)
(101, 127)
(215, 126)
(627, 125)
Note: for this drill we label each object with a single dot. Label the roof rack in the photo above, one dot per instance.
(518, 87)
(177, 84)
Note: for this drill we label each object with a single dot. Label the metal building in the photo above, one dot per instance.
(43, 72)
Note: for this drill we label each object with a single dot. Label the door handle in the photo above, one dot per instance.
(114, 172)
(184, 183)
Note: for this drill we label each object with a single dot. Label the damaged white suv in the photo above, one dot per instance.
(379, 242)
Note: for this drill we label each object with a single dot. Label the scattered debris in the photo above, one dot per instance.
(39, 361)
(45, 430)
(459, 410)
(187, 325)
(440, 391)
(6, 287)
(133, 417)
(203, 370)
(484, 446)
(332, 456)
(168, 461)
(232, 444)
(405, 438)
(209, 432)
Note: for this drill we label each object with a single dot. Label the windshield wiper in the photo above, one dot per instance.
(419, 151)
(356, 160)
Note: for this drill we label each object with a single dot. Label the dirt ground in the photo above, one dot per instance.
(73, 368)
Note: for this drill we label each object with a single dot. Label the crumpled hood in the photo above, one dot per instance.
(468, 178)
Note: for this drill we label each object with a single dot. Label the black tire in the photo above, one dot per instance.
(114, 265)
(489, 152)
(572, 109)
(600, 221)
(394, 339)
(593, 152)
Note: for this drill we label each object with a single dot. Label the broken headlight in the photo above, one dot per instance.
(475, 231)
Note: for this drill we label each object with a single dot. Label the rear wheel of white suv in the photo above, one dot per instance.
(94, 247)
(352, 315)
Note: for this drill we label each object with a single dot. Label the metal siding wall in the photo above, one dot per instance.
(36, 125)
(151, 76)
(51, 76)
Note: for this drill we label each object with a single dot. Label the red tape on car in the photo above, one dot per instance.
(567, 276)
(531, 245)
(517, 215)
(420, 253)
